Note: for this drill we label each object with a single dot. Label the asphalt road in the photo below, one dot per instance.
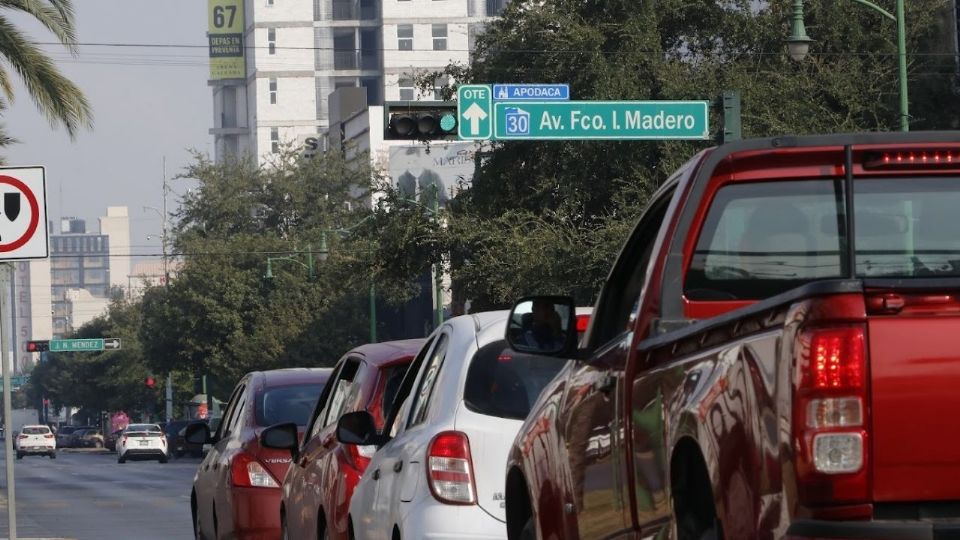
(88, 495)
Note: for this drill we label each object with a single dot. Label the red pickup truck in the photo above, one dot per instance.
(775, 354)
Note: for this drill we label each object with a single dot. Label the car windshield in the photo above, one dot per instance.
(282, 404)
(505, 384)
(35, 431)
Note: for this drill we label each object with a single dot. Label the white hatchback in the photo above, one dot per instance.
(442, 473)
(142, 441)
(36, 441)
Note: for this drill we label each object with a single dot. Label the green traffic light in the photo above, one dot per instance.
(448, 122)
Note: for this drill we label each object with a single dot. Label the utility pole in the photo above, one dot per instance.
(6, 277)
(166, 281)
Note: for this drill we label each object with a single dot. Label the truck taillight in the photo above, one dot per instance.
(246, 471)
(915, 158)
(830, 425)
(450, 469)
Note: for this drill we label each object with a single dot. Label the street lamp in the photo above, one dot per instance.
(798, 44)
(308, 265)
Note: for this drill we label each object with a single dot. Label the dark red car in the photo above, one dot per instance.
(318, 488)
(236, 491)
(768, 357)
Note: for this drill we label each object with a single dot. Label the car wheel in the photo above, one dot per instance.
(98, 444)
(529, 531)
(163, 459)
(178, 454)
(19, 455)
(53, 455)
(121, 459)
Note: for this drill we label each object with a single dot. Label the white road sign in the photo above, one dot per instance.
(23, 213)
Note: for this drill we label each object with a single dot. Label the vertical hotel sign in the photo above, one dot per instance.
(225, 25)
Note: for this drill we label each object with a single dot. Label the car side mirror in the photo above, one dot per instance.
(359, 428)
(198, 434)
(544, 325)
(282, 437)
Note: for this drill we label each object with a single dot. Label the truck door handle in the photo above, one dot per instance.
(605, 385)
(398, 466)
(376, 474)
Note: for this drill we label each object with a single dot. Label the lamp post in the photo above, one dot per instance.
(308, 265)
(436, 269)
(798, 45)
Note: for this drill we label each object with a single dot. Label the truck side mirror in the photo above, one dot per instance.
(545, 325)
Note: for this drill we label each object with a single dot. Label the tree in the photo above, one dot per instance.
(550, 216)
(55, 95)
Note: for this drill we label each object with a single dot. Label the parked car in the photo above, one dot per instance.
(171, 430)
(142, 441)
(764, 355)
(90, 438)
(318, 487)
(110, 441)
(76, 436)
(236, 491)
(63, 435)
(36, 440)
(438, 471)
(183, 447)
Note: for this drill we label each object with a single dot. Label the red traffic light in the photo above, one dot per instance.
(38, 346)
(150, 382)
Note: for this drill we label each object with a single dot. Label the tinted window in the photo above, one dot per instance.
(425, 391)
(344, 392)
(284, 404)
(394, 376)
(505, 384)
(36, 431)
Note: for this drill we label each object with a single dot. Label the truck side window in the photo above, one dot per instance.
(621, 296)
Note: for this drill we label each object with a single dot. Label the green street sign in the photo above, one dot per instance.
(76, 345)
(475, 112)
(616, 120)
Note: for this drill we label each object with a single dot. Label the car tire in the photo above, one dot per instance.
(178, 454)
(19, 455)
(163, 459)
(98, 445)
(529, 530)
(53, 455)
(121, 459)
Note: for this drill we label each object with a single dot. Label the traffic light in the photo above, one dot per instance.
(38, 345)
(729, 105)
(421, 120)
(150, 382)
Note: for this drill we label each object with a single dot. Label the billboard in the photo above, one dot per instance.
(415, 169)
(225, 25)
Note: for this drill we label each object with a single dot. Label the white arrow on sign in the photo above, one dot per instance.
(111, 343)
(475, 114)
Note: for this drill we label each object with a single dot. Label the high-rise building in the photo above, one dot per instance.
(274, 62)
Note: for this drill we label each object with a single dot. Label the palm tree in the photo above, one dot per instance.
(56, 96)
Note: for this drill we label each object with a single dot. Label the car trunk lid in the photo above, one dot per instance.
(490, 439)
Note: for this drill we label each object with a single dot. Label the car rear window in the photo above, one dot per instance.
(36, 431)
(505, 384)
(762, 239)
(283, 404)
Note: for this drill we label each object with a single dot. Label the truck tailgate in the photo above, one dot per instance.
(915, 375)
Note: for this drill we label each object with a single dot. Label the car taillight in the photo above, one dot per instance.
(246, 471)
(830, 425)
(48, 436)
(450, 469)
(22, 436)
(360, 455)
(583, 321)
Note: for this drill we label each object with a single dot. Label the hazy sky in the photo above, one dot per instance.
(148, 102)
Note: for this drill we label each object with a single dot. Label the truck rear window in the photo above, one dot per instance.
(762, 239)
(505, 384)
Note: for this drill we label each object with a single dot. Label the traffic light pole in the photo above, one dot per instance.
(6, 278)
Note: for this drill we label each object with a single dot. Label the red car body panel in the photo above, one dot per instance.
(225, 510)
(606, 449)
(317, 490)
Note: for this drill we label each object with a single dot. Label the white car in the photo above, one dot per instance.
(442, 473)
(142, 441)
(36, 441)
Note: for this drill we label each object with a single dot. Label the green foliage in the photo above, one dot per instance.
(550, 216)
(55, 95)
